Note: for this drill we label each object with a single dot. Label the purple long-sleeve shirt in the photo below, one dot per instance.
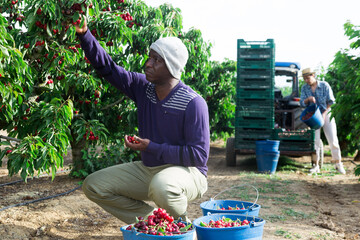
(177, 126)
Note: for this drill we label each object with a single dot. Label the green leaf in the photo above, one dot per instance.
(5, 143)
(20, 99)
(53, 172)
(48, 30)
(76, 16)
(187, 227)
(4, 51)
(91, 12)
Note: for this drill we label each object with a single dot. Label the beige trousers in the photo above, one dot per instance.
(122, 189)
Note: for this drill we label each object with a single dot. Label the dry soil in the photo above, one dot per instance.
(294, 204)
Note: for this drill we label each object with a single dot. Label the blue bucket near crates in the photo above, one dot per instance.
(231, 206)
(267, 155)
(316, 121)
(267, 146)
(252, 231)
(267, 162)
(134, 235)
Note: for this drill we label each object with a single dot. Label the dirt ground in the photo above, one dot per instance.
(294, 204)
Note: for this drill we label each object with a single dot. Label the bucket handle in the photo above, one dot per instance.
(315, 105)
(255, 224)
(257, 193)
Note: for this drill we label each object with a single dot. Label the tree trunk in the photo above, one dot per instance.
(357, 157)
(76, 150)
(343, 144)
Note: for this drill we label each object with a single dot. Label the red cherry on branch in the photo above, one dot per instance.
(97, 94)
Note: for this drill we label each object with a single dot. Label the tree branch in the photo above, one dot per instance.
(10, 138)
(113, 104)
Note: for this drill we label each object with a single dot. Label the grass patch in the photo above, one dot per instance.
(325, 236)
(243, 195)
(287, 234)
(288, 199)
(297, 215)
(288, 164)
(271, 188)
(275, 218)
(327, 170)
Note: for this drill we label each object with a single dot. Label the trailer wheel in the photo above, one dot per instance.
(230, 152)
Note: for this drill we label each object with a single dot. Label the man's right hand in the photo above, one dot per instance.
(81, 30)
(141, 145)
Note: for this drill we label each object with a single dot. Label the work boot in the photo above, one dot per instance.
(315, 169)
(340, 168)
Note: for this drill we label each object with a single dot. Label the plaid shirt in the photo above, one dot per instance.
(323, 94)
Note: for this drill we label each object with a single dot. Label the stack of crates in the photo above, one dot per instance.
(254, 116)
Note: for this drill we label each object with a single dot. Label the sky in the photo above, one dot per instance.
(309, 32)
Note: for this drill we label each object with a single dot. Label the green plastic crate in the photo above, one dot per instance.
(248, 145)
(256, 73)
(255, 63)
(284, 146)
(296, 145)
(255, 82)
(252, 122)
(268, 44)
(255, 103)
(256, 49)
(242, 112)
(301, 134)
(246, 134)
(255, 93)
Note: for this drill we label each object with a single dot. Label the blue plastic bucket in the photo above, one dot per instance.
(267, 161)
(316, 121)
(267, 155)
(253, 231)
(267, 145)
(133, 235)
(213, 206)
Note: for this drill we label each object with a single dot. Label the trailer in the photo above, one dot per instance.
(268, 104)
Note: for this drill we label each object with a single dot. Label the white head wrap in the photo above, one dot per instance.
(174, 52)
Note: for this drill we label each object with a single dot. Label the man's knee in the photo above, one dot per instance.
(87, 186)
(168, 195)
(161, 189)
(94, 188)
